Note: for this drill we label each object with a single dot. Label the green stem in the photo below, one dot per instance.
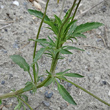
(58, 41)
(20, 91)
(76, 10)
(30, 76)
(62, 8)
(86, 91)
(34, 71)
(25, 103)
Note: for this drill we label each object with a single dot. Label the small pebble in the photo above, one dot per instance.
(65, 10)
(48, 95)
(46, 103)
(70, 60)
(104, 82)
(69, 85)
(15, 45)
(31, 92)
(16, 3)
(54, 10)
(3, 82)
(6, 30)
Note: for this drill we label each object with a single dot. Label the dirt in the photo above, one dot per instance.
(17, 26)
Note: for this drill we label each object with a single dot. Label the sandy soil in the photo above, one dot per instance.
(17, 26)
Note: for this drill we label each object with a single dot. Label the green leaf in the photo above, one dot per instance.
(73, 75)
(18, 106)
(49, 81)
(29, 86)
(38, 55)
(72, 27)
(60, 73)
(38, 14)
(48, 72)
(65, 95)
(21, 62)
(87, 26)
(53, 27)
(58, 20)
(72, 47)
(0, 102)
(65, 51)
(79, 35)
(25, 97)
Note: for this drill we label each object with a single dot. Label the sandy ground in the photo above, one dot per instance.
(17, 26)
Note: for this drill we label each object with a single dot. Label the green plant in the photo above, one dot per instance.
(63, 29)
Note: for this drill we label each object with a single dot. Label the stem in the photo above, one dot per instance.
(86, 91)
(34, 71)
(76, 10)
(30, 76)
(25, 103)
(20, 91)
(64, 23)
(62, 8)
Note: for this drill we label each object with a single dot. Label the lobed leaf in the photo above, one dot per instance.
(73, 75)
(20, 61)
(87, 26)
(65, 95)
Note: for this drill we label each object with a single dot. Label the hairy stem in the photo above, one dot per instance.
(34, 71)
(86, 91)
(25, 103)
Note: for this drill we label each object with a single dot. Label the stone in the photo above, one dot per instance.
(46, 103)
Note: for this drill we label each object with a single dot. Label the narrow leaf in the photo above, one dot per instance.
(39, 54)
(21, 62)
(38, 14)
(79, 35)
(73, 75)
(87, 26)
(29, 86)
(25, 97)
(58, 20)
(65, 51)
(60, 73)
(65, 95)
(49, 81)
(0, 102)
(72, 47)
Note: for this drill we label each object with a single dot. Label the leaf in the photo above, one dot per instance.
(73, 75)
(87, 26)
(65, 95)
(60, 73)
(51, 41)
(58, 20)
(25, 97)
(53, 27)
(79, 35)
(65, 51)
(38, 14)
(49, 81)
(18, 106)
(72, 47)
(0, 102)
(38, 55)
(48, 72)
(72, 27)
(21, 62)
(29, 86)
